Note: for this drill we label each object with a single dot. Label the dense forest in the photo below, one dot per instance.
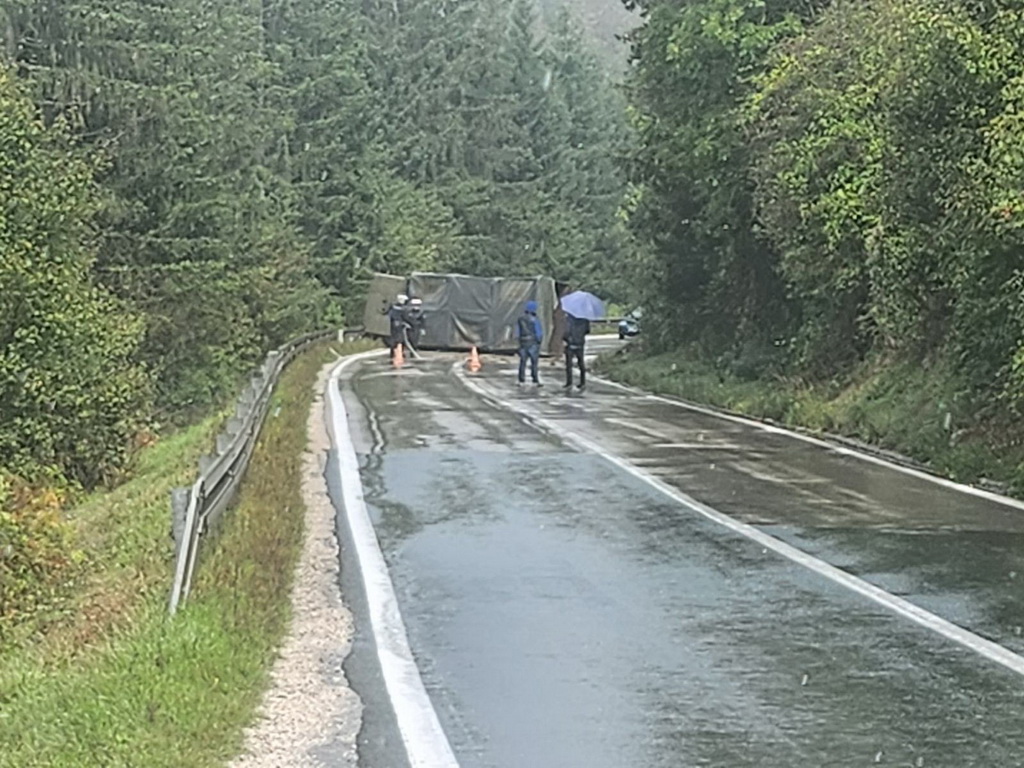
(605, 23)
(188, 184)
(793, 189)
(828, 190)
(185, 185)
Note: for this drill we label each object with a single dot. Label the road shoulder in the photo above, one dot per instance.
(310, 709)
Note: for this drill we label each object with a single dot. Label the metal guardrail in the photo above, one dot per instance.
(194, 509)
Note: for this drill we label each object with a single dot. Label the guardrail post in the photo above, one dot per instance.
(192, 550)
(248, 395)
(179, 508)
(205, 462)
(270, 366)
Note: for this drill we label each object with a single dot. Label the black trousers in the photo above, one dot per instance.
(405, 338)
(574, 354)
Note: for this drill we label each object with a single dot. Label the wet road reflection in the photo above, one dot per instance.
(564, 614)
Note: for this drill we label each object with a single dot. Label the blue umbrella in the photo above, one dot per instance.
(583, 305)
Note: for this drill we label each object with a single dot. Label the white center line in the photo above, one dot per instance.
(967, 639)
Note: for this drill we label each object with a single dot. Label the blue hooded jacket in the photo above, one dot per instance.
(523, 326)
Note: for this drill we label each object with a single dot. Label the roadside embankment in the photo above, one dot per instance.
(112, 680)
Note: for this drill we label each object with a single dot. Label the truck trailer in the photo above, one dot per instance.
(463, 311)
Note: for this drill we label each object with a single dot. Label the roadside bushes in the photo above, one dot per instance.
(72, 398)
(877, 171)
(840, 182)
(71, 395)
(836, 197)
(36, 552)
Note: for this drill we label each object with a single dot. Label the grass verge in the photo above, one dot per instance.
(921, 412)
(114, 681)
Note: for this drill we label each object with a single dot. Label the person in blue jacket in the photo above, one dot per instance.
(530, 333)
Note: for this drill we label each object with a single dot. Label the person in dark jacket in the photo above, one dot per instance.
(414, 321)
(396, 323)
(530, 332)
(575, 337)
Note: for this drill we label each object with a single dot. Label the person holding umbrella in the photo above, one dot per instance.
(580, 308)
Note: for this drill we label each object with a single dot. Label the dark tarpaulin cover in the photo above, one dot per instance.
(464, 311)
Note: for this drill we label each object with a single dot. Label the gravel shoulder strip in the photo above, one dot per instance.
(310, 707)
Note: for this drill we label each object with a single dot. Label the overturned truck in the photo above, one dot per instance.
(463, 311)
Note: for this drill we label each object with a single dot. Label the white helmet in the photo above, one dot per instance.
(416, 302)
(402, 298)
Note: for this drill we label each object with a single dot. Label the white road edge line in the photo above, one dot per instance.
(966, 638)
(840, 449)
(425, 742)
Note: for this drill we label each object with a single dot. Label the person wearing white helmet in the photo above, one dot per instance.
(396, 321)
(414, 321)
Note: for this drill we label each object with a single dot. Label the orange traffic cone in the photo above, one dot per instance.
(474, 363)
(399, 359)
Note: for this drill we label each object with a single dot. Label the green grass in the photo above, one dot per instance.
(113, 681)
(922, 412)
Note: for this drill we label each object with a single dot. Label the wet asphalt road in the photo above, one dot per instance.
(564, 613)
